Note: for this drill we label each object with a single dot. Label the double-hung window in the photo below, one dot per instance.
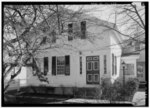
(61, 65)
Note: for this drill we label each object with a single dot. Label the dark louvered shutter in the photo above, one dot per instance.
(54, 65)
(70, 31)
(45, 65)
(67, 63)
(112, 64)
(83, 29)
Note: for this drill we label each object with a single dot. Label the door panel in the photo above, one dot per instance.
(92, 69)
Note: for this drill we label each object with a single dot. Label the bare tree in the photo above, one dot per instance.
(25, 29)
(132, 18)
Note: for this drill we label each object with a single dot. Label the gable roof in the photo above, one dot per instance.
(82, 17)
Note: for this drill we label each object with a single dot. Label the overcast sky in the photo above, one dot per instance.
(100, 11)
(104, 12)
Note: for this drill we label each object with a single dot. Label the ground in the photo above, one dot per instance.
(138, 99)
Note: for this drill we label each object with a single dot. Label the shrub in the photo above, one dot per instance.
(118, 92)
(80, 92)
(131, 86)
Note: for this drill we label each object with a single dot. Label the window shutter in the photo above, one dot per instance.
(54, 65)
(112, 64)
(83, 29)
(45, 65)
(70, 31)
(115, 65)
(80, 65)
(67, 63)
(105, 64)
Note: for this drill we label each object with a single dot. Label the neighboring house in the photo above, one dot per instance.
(134, 57)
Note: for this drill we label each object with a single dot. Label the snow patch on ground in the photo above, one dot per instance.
(139, 98)
(95, 101)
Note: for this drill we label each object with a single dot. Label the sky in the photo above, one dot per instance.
(104, 12)
(100, 11)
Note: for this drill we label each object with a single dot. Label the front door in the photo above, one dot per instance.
(92, 70)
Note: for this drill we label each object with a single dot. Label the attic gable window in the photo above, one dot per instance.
(70, 31)
(70, 28)
(83, 29)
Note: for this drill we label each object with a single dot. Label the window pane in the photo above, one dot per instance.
(61, 65)
(130, 69)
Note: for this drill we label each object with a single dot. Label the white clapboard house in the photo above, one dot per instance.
(84, 55)
(80, 57)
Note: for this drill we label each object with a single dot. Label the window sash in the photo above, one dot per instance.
(60, 65)
(130, 69)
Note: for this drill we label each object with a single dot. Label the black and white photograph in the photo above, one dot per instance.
(74, 53)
